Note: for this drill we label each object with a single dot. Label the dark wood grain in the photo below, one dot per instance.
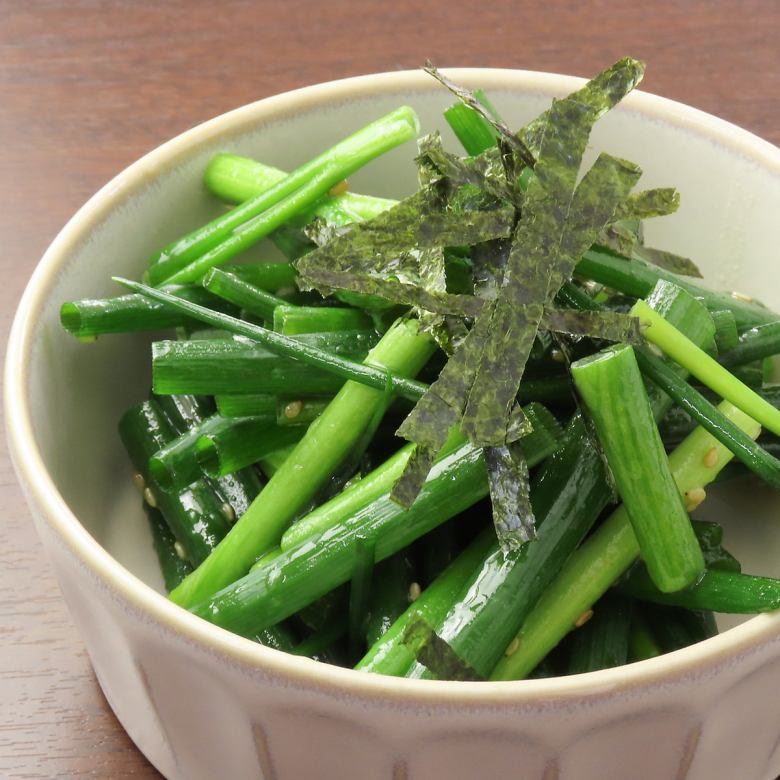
(87, 87)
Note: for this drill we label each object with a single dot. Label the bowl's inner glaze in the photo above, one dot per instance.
(727, 224)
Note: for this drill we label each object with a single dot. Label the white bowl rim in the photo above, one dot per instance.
(703, 658)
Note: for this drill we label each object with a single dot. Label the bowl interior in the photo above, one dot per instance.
(727, 223)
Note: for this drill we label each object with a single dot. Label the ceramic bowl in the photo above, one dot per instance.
(202, 703)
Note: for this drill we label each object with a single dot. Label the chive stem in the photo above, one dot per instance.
(707, 370)
(365, 373)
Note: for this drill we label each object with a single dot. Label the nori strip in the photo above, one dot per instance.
(482, 171)
(657, 202)
(509, 494)
(668, 260)
(437, 302)
(504, 331)
(607, 325)
(599, 95)
(435, 654)
(390, 244)
(558, 225)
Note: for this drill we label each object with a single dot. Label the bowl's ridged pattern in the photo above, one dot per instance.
(201, 717)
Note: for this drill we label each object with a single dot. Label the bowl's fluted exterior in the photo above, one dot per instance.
(201, 703)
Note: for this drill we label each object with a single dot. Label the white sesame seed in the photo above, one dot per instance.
(557, 356)
(741, 297)
(338, 189)
(584, 618)
(149, 498)
(710, 458)
(227, 510)
(694, 497)
(139, 482)
(414, 591)
(180, 551)
(512, 648)
(293, 409)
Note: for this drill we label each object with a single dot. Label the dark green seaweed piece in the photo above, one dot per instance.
(390, 243)
(435, 654)
(510, 489)
(667, 260)
(509, 483)
(480, 381)
(599, 95)
(481, 171)
(515, 142)
(558, 225)
(607, 325)
(658, 202)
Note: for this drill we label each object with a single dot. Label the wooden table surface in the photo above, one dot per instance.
(86, 87)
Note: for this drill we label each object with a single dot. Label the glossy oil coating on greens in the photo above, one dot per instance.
(508, 270)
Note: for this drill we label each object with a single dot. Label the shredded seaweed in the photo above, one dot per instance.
(478, 385)
(658, 202)
(482, 171)
(607, 325)
(668, 260)
(435, 654)
(510, 489)
(400, 252)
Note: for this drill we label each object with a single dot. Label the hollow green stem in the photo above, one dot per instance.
(389, 654)
(474, 132)
(246, 404)
(211, 367)
(718, 591)
(293, 320)
(364, 373)
(241, 293)
(173, 567)
(231, 443)
(131, 313)
(326, 444)
(707, 370)
(222, 239)
(604, 557)
(234, 178)
(304, 573)
(195, 515)
(706, 414)
(611, 385)
(637, 278)
(272, 277)
(755, 344)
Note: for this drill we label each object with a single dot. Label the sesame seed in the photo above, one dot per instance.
(584, 618)
(139, 482)
(339, 189)
(227, 510)
(149, 498)
(512, 648)
(180, 551)
(414, 591)
(293, 409)
(710, 458)
(741, 297)
(694, 497)
(557, 356)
